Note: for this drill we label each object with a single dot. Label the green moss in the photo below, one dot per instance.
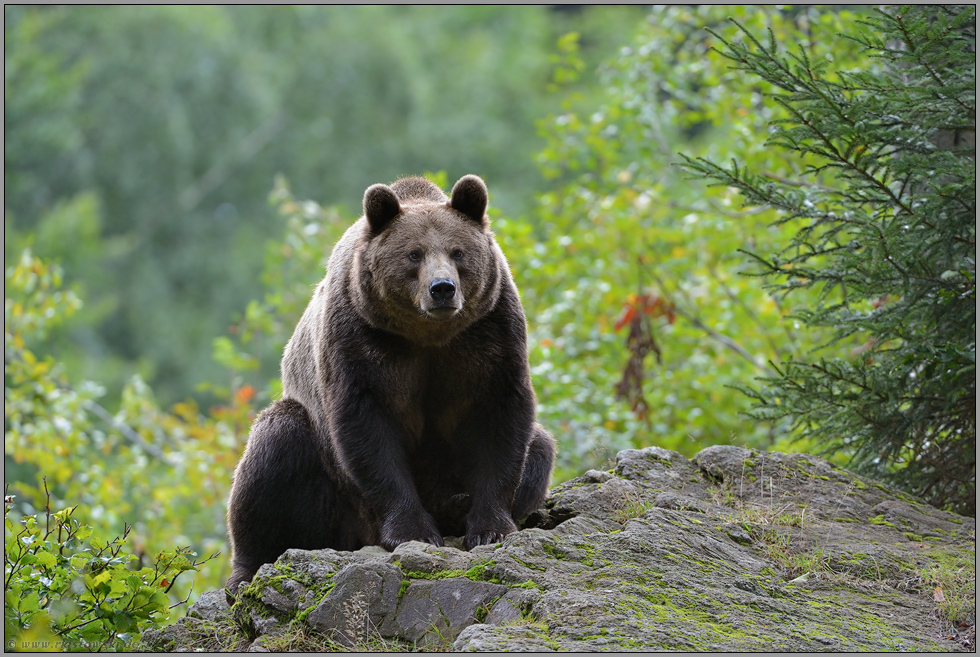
(660, 608)
(301, 616)
(880, 520)
(590, 555)
(249, 598)
(912, 537)
(527, 617)
(541, 630)
(482, 572)
(440, 574)
(529, 565)
(283, 567)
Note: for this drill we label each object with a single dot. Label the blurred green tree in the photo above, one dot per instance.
(172, 121)
(164, 474)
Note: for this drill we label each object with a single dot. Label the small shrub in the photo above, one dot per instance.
(952, 583)
(632, 506)
(67, 589)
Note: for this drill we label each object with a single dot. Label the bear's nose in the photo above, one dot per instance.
(442, 291)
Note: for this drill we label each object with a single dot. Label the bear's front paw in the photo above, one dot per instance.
(487, 535)
(400, 530)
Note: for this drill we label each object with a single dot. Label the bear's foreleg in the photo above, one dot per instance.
(495, 439)
(370, 448)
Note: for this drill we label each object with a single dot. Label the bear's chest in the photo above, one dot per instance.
(436, 392)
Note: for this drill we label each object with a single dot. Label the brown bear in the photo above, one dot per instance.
(407, 410)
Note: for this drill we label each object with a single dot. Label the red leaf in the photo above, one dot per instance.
(245, 393)
(627, 317)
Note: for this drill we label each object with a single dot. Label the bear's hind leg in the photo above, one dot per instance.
(282, 496)
(536, 479)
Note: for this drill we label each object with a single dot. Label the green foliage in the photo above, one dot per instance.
(632, 281)
(165, 474)
(883, 230)
(66, 589)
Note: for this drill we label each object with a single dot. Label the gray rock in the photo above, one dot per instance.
(258, 645)
(436, 611)
(417, 557)
(209, 606)
(722, 461)
(596, 476)
(506, 610)
(264, 624)
(738, 534)
(363, 600)
(484, 638)
(289, 599)
(662, 554)
(678, 502)
(921, 519)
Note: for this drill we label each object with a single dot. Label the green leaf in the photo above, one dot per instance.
(46, 559)
(122, 621)
(159, 601)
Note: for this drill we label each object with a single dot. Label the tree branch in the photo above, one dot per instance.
(127, 432)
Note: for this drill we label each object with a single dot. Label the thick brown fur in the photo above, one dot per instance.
(407, 409)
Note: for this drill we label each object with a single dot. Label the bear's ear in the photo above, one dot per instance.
(469, 196)
(380, 206)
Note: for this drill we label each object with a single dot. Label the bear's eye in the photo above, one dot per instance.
(457, 254)
(415, 256)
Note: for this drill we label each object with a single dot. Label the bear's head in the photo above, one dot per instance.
(428, 265)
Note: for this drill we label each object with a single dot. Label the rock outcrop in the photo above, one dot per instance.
(735, 550)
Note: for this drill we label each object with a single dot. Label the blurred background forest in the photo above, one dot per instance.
(175, 178)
